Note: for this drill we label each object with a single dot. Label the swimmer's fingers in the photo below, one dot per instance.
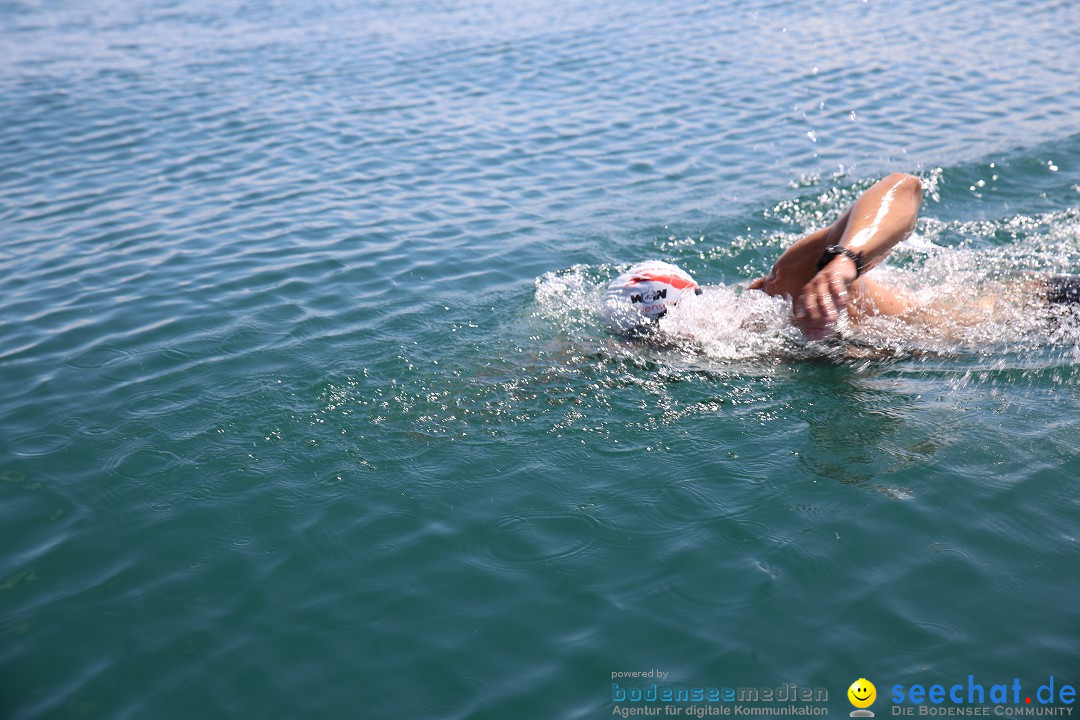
(838, 289)
(811, 313)
(766, 283)
(825, 296)
(822, 317)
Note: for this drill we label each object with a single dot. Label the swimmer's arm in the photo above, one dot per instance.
(798, 264)
(882, 216)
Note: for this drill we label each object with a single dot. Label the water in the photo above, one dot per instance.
(308, 412)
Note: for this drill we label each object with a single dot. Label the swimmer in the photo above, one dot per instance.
(825, 273)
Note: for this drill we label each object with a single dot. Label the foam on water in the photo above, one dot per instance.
(730, 323)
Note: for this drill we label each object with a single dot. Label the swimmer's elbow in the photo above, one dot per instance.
(906, 185)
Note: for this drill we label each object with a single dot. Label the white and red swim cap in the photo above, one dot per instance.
(645, 292)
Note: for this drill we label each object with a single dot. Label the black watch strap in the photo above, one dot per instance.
(832, 251)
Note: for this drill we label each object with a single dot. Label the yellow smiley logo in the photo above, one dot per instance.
(862, 693)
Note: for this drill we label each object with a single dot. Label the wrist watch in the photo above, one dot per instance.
(832, 251)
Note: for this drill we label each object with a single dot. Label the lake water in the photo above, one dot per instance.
(307, 409)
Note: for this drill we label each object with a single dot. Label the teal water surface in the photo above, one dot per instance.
(307, 409)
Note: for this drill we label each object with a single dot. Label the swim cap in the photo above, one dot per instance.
(645, 292)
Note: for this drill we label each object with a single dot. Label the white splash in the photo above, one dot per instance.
(732, 323)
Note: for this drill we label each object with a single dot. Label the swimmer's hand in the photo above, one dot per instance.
(823, 298)
(776, 283)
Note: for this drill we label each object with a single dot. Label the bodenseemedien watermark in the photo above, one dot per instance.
(634, 699)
